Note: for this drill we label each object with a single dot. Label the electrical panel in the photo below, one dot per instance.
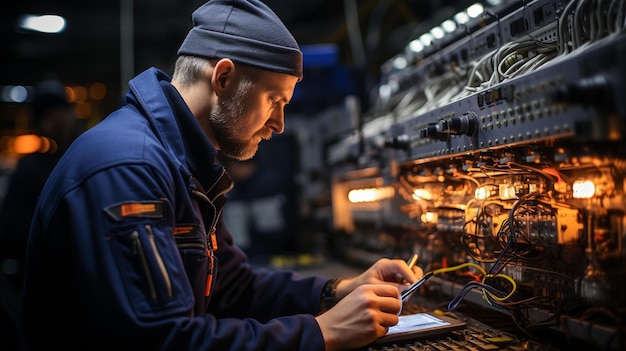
(497, 153)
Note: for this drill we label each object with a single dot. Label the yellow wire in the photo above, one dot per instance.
(485, 277)
(500, 276)
(455, 268)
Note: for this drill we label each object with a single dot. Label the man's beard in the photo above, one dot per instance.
(225, 121)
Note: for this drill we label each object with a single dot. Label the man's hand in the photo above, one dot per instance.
(361, 317)
(384, 271)
(367, 305)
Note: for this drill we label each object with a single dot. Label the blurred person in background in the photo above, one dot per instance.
(55, 121)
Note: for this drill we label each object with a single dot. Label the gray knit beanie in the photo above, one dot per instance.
(246, 32)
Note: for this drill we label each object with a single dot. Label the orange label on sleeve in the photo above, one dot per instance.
(144, 209)
(133, 209)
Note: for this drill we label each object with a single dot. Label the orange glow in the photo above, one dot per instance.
(27, 143)
(422, 194)
(370, 194)
(83, 110)
(97, 91)
(48, 146)
(44, 144)
(80, 93)
(429, 217)
(71, 96)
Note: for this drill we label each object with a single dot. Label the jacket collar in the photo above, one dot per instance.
(174, 124)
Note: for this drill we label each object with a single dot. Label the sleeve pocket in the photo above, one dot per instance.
(150, 269)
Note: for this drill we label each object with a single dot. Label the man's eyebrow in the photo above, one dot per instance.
(281, 97)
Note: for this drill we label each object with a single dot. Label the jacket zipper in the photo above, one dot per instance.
(202, 195)
(159, 259)
(205, 198)
(137, 249)
(213, 229)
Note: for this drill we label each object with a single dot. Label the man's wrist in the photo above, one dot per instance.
(329, 294)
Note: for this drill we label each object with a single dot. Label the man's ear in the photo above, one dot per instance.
(223, 76)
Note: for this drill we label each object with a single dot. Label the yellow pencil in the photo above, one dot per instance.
(412, 261)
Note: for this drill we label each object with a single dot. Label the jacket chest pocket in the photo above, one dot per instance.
(196, 252)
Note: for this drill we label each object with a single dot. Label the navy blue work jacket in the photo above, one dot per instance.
(127, 249)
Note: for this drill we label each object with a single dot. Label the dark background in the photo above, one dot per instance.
(89, 51)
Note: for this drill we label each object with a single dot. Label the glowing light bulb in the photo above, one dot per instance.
(422, 194)
(481, 193)
(369, 194)
(583, 189)
(43, 23)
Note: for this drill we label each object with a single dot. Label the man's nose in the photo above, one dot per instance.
(277, 122)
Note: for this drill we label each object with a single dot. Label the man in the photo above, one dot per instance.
(127, 248)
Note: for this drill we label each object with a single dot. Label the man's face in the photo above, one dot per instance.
(251, 113)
